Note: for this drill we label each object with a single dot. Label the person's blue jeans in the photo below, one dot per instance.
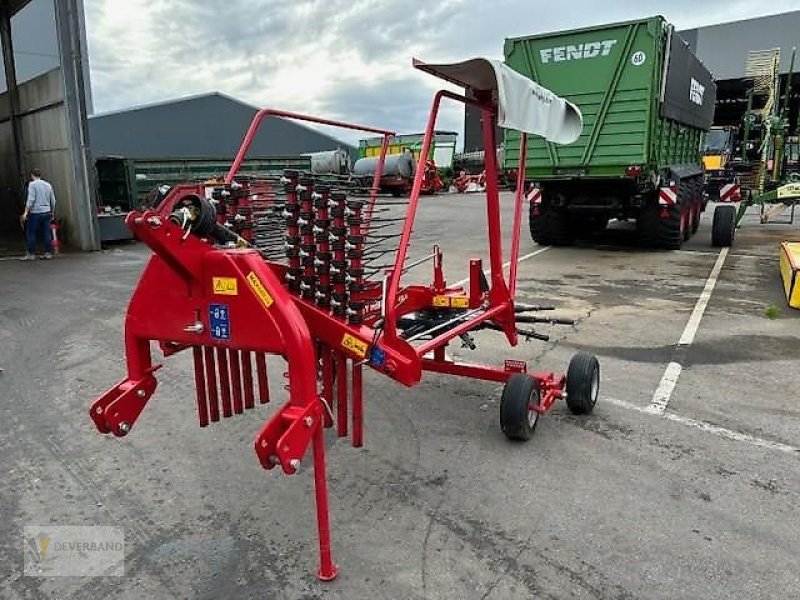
(39, 225)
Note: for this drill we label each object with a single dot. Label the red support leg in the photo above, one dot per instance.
(327, 570)
(341, 395)
(358, 407)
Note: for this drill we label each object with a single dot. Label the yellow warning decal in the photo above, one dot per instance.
(355, 345)
(260, 290)
(459, 302)
(225, 286)
(451, 301)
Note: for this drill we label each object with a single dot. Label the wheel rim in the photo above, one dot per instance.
(595, 387)
(533, 416)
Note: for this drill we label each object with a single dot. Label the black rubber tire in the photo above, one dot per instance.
(723, 227)
(583, 383)
(655, 232)
(517, 420)
(697, 216)
(586, 227)
(550, 227)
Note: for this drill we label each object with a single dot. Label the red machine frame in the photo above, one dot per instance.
(177, 295)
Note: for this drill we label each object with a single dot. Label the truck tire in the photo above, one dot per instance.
(655, 232)
(697, 210)
(587, 226)
(723, 228)
(550, 227)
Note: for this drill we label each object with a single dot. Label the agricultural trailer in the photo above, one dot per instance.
(324, 307)
(646, 101)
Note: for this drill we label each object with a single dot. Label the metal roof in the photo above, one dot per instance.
(205, 126)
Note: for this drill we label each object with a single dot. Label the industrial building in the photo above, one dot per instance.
(204, 126)
(724, 49)
(43, 111)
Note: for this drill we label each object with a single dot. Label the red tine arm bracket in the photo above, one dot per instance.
(287, 435)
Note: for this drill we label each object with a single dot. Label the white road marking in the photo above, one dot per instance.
(702, 302)
(729, 434)
(669, 380)
(505, 264)
(665, 388)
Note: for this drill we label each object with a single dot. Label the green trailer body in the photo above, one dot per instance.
(124, 184)
(646, 103)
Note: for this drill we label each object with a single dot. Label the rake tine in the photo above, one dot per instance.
(263, 384)
(200, 385)
(236, 381)
(211, 380)
(224, 382)
(247, 380)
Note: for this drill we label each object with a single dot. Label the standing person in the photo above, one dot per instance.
(38, 214)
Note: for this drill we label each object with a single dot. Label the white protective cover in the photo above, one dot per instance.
(522, 104)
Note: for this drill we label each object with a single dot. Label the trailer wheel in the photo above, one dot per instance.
(583, 383)
(657, 232)
(698, 210)
(723, 228)
(550, 227)
(517, 418)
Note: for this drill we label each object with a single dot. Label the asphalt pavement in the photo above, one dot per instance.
(683, 483)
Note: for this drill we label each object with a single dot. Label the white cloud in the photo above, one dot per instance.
(346, 59)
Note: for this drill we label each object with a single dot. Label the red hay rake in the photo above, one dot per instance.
(244, 269)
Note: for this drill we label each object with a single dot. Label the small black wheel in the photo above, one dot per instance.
(723, 228)
(583, 383)
(518, 419)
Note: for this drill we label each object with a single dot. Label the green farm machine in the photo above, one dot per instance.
(647, 102)
(774, 184)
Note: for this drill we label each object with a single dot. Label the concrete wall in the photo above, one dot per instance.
(45, 145)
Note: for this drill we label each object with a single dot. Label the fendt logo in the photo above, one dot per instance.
(577, 52)
(696, 92)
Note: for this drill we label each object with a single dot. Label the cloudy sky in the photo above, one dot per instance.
(346, 59)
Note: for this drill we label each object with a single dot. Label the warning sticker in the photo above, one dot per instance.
(451, 301)
(259, 290)
(459, 302)
(225, 286)
(355, 345)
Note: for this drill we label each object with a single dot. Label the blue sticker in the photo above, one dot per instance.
(219, 319)
(377, 357)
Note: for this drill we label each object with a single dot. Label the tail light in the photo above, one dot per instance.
(633, 171)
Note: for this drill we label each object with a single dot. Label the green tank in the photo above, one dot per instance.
(646, 102)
